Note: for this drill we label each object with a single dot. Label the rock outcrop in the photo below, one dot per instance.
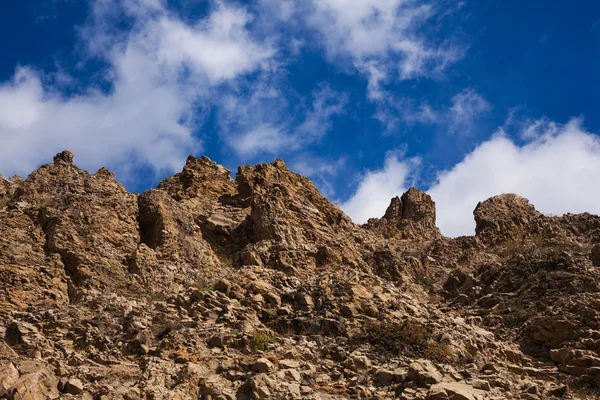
(259, 287)
(411, 216)
(504, 217)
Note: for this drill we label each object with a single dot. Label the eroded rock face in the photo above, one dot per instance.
(293, 226)
(417, 206)
(172, 248)
(261, 288)
(88, 220)
(4, 187)
(7, 188)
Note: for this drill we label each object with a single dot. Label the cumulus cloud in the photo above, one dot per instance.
(556, 169)
(134, 121)
(160, 72)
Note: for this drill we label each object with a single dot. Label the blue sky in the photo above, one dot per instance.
(463, 99)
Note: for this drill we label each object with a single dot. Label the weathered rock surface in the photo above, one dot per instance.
(411, 216)
(258, 287)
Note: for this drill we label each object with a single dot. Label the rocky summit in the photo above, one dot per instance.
(258, 287)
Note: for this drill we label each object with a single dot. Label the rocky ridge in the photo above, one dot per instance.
(258, 287)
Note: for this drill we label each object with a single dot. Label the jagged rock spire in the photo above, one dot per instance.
(413, 213)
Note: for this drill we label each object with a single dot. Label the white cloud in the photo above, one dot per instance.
(380, 38)
(262, 123)
(282, 10)
(386, 33)
(133, 121)
(262, 138)
(315, 166)
(557, 171)
(372, 28)
(165, 71)
(219, 47)
(385, 42)
(161, 72)
(376, 188)
(320, 170)
(535, 129)
(406, 112)
(376, 75)
(467, 106)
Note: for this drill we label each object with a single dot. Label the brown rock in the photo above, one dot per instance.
(73, 386)
(455, 391)
(595, 255)
(40, 385)
(64, 158)
(8, 377)
(413, 215)
(504, 217)
(383, 377)
(263, 365)
(423, 372)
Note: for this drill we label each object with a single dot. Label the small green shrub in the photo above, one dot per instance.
(84, 230)
(538, 275)
(261, 341)
(204, 286)
(158, 296)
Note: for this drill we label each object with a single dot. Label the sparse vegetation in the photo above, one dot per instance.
(261, 341)
(405, 338)
(425, 282)
(516, 318)
(203, 286)
(158, 296)
(84, 230)
(538, 275)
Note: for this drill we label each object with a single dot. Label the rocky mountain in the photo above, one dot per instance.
(258, 287)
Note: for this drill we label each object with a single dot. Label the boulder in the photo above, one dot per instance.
(454, 391)
(73, 386)
(8, 377)
(504, 217)
(423, 372)
(263, 365)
